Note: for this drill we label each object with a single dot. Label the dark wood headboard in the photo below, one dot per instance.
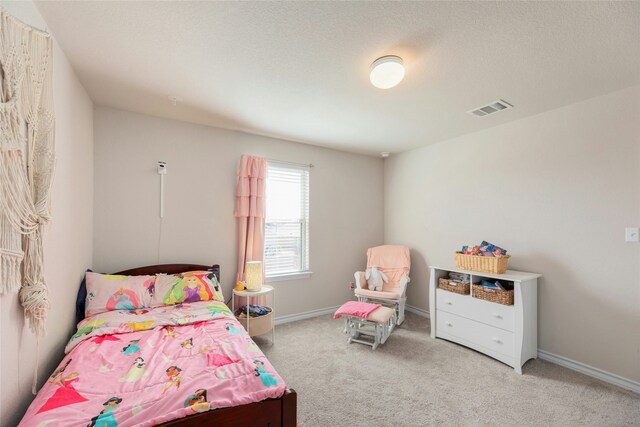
(143, 271)
(170, 269)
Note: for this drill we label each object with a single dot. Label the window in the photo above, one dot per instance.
(286, 242)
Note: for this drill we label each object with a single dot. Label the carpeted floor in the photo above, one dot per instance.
(413, 380)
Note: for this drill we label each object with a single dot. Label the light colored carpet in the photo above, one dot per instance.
(413, 380)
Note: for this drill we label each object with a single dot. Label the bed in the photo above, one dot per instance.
(187, 363)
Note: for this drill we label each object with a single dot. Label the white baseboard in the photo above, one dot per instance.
(418, 311)
(590, 371)
(306, 315)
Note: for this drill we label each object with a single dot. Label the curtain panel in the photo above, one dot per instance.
(250, 211)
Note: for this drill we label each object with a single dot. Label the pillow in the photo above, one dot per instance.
(107, 292)
(81, 299)
(192, 286)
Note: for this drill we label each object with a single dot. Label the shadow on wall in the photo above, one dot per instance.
(188, 112)
(418, 289)
(21, 398)
(571, 303)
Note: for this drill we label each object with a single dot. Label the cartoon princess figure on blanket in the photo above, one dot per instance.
(197, 401)
(175, 378)
(138, 311)
(169, 332)
(105, 418)
(132, 347)
(88, 328)
(219, 309)
(65, 394)
(266, 377)
(136, 372)
(135, 326)
(58, 372)
(232, 329)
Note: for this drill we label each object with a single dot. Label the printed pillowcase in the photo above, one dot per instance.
(212, 281)
(107, 292)
(192, 286)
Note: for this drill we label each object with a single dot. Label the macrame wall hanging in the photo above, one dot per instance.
(26, 162)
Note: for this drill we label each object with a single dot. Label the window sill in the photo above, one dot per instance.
(290, 276)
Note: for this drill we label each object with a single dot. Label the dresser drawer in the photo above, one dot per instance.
(495, 339)
(491, 313)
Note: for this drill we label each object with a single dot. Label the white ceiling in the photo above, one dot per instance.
(299, 70)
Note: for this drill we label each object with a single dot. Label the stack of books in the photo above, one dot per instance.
(459, 277)
(495, 285)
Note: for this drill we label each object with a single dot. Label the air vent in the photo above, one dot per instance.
(491, 108)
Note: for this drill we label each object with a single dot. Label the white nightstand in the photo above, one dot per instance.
(257, 325)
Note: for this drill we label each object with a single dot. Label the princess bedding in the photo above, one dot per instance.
(153, 349)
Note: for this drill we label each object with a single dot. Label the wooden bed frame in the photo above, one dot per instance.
(266, 413)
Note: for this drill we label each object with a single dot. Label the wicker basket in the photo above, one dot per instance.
(258, 325)
(493, 295)
(451, 286)
(485, 264)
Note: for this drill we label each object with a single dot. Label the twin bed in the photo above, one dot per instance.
(185, 361)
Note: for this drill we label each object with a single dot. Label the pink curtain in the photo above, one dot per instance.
(250, 210)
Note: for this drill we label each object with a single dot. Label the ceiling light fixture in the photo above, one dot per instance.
(386, 72)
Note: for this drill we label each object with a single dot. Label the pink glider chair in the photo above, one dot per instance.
(395, 262)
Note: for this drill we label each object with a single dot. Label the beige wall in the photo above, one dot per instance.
(556, 190)
(567, 183)
(346, 202)
(67, 241)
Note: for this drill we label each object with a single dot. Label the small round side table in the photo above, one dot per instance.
(264, 291)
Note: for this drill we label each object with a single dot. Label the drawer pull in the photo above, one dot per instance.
(448, 302)
(448, 323)
(498, 340)
(497, 315)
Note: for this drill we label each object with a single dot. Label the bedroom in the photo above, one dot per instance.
(555, 180)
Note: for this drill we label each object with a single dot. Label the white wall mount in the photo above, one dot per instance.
(162, 171)
(174, 99)
(632, 234)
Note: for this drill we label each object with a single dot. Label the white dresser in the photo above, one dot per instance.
(508, 333)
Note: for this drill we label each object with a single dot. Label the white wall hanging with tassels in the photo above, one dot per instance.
(27, 160)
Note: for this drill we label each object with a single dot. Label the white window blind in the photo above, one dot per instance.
(286, 244)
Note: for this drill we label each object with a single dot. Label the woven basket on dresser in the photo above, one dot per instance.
(485, 264)
(493, 295)
(451, 286)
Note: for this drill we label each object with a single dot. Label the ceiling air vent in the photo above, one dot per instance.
(491, 108)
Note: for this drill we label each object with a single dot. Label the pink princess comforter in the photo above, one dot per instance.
(145, 367)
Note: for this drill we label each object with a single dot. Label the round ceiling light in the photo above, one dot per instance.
(386, 72)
